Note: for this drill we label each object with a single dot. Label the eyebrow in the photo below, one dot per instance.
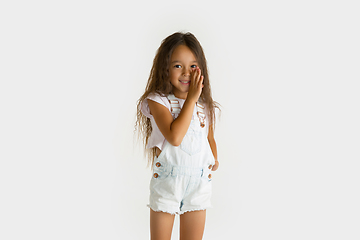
(179, 61)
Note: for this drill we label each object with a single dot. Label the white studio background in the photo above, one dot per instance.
(285, 72)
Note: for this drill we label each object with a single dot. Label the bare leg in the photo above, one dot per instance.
(192, 225)
(161, 225)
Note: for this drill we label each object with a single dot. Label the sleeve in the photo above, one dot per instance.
(156, 98)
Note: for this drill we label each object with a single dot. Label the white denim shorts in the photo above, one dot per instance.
(179, 189)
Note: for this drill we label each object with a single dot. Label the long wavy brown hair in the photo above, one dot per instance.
(159, 82)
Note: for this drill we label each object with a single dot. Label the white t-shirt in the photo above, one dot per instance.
(156, 138)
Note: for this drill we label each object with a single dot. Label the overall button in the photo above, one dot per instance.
(156, 175)
(158, 164)
(210, 166)
(209, 176)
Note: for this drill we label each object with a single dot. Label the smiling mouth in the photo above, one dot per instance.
(185, 81)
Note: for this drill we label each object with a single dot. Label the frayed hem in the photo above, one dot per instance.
(158, 210)
(179, 212)
(193, 210)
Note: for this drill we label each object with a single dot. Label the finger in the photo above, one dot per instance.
(197, 74)
(201, 78)
(193, 77)
(200, 82)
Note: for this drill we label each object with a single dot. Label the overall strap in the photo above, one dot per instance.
(176, 109)
(175, 105)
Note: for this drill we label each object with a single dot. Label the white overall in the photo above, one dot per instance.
(181, 179)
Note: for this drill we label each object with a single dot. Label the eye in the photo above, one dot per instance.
(177, 66)
(193, 66)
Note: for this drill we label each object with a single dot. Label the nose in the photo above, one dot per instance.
(186, 71)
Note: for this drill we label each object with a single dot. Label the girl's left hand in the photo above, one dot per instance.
(215, 166)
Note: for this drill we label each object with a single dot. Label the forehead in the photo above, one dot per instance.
(182, 52)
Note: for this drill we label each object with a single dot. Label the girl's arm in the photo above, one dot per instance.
(174, 130)
(213, 147)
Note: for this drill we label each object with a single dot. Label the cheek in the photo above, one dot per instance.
(173, 74)
(170, 72)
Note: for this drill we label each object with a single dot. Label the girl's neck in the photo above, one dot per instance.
(180, 96)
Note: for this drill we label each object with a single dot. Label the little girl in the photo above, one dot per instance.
(176, 116)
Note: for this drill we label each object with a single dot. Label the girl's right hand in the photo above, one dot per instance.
(196, 84)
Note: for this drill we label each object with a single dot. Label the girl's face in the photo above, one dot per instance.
(181, 64)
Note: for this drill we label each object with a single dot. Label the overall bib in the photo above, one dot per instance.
(181, 179)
